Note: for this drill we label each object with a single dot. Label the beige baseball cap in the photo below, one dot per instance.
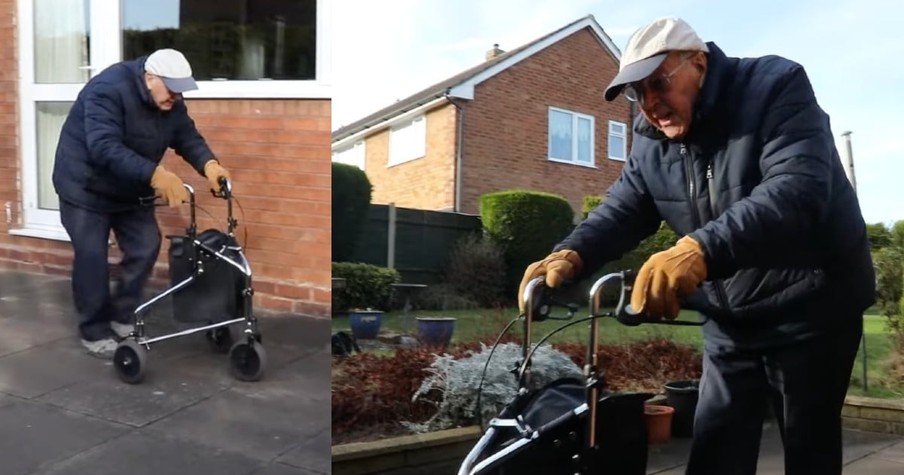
(647, 49)
(172, 67)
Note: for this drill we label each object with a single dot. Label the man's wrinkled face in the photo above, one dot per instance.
(667, 96)
(163, 97)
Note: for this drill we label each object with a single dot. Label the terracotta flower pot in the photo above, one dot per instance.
(659, 423)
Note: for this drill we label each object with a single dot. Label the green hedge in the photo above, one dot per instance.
(366, 286)
(527, 224)
(351, 201)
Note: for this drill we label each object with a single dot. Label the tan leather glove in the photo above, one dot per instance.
(169, 186)
(668, 276)
(213, 171)
(558, 267)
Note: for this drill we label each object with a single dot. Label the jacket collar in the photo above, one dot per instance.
(709, 111)
(137, 68)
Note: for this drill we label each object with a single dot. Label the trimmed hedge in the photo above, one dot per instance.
(351, 202)
(366, 286)
(527, 224)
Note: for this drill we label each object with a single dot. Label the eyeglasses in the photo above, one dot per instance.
(634, 92)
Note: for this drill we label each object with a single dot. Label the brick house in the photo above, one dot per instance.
(263, 104)
(530, 118)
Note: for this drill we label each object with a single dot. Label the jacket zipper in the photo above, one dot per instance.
(692, 194)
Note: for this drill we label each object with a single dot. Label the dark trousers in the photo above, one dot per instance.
(137, 235)
(806, 383)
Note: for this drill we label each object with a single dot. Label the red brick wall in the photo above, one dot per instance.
(278, 153)
(425, 183)
(505, 126)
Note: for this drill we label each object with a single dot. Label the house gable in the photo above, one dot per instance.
(462, 85)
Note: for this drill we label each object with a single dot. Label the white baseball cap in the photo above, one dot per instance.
(172, 67)
(647, 49)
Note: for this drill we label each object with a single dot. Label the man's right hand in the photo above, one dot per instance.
(169, 186)
(558, 267)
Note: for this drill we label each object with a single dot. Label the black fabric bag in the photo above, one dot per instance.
(214, 295)
(620, 430)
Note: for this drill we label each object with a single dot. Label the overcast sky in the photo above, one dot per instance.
(853, 51)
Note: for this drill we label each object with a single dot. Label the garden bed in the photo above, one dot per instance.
(372, 392)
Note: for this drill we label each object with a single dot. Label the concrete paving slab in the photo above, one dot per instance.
(661, 457)
(38, 370)
(20, 334)
(140, 453)
(895, 453)
(858, 444)
(4, 399)
(280, 469)
(256, 425)
(162, 393)
(313, 454)
(39, 435)
(874, 466)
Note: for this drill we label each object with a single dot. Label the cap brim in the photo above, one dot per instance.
(180, 85)
(633, 73)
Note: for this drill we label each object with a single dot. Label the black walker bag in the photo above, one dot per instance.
(215, 294)
(620, 430)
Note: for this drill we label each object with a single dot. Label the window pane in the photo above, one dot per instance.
(61, 41)
(408, 141)
(49, 117)
(227, 39)
(584, 132)
(616, 147)
(560, 135)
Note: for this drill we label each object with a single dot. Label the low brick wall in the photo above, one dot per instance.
(874, 415)
(437, 453)
(441, 453)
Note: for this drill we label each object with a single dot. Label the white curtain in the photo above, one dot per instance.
(60, 57)
(49, 117)
(61, 41)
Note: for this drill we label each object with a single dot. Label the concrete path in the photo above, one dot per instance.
(64, 412)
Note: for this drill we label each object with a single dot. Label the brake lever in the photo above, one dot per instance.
(626, 315)
(542, 306)
(225, 191)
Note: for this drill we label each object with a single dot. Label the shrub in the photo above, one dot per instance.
(476, 270)
(590, 202)
(351, 202)
(457, 381)
(366, 286)
(889, 273)
(526, 224)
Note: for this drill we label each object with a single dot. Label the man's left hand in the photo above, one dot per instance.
(668, 276)
(213, 171)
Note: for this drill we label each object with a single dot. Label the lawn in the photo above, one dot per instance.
(486, 324)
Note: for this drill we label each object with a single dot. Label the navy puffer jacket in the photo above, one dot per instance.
(114, 138)
(759, 184)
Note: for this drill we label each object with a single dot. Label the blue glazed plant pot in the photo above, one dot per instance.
(435, 331)
(365, 324)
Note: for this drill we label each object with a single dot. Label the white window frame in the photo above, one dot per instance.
(575, 116)
(623, 134)
(407, 140)
(106, 24)
(353, 154)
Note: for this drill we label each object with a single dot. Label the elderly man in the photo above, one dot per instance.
(107, 174)
(738, 158)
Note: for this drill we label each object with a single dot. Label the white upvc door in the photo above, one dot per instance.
(62, 44)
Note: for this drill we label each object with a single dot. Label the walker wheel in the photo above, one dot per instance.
(247, 360)
(220, 339)
(130, 361)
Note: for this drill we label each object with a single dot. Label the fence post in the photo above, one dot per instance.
(391, 238)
